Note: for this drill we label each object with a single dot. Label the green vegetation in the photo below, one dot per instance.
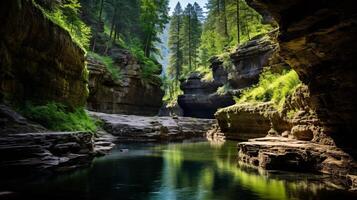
(109, 64)
(172, 91)
(272, 87)
(130, 24)
(223, 89)
(66, 15)
(57, 117)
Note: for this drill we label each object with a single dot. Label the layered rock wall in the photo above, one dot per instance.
(39, 62)
(130, 95)
(318, 39)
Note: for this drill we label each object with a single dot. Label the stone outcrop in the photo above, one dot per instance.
(129, 95)
(278, 153)
(318, 39)
(240, 69)
(50, 151)
(153, 129)
(26, 146)
(200, 98)
(39, 62)
(247, 121)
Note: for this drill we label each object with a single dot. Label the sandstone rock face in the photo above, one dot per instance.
(318, 39)
(200, 98)
(129, 95)
(153, 129)
(246, 121)
(39, 62)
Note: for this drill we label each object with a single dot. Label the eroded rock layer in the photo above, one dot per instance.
(39, 62)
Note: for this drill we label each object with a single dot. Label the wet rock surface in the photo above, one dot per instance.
(278, 153)
(134, 128)
(123, 96)
(50, 151)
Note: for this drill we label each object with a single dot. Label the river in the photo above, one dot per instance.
(187, 171)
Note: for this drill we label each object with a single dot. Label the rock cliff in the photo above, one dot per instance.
(39, 62)
(129, 95)
(318, 39)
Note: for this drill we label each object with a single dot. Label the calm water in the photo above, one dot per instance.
(190, 171)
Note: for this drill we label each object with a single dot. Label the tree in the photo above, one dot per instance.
(191, 34)
(176, 56)
(154, 17)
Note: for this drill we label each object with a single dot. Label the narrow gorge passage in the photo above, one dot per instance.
(178, 99)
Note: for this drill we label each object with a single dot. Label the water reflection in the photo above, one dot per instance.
(191, 171)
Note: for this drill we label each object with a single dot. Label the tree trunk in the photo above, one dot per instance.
(238, 21)
(100, 11)
(225, 20)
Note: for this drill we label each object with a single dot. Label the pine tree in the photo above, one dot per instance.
(191, 34)
(176, 56)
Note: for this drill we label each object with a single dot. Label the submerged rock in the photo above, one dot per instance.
(153, 129)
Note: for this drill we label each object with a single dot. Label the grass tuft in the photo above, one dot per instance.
(271, 88)
(56, 117)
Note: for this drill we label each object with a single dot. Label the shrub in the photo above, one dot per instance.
(271, 87)
(56, 117)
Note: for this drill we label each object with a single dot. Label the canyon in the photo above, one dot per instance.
(312, 131)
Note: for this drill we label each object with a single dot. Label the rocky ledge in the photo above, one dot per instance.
(248, 120)
(134, 128)
(26, 146)
(57, 151)
(279, 153)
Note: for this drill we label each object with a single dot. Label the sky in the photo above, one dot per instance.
(173, 3)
